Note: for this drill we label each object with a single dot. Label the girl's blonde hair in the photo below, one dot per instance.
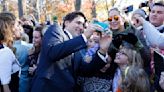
(134, 57)
(136, 80)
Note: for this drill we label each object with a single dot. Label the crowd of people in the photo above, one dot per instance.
(82, 55)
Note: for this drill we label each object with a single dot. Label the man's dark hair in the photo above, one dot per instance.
(159, 3)
(28, 30)
(71, 16)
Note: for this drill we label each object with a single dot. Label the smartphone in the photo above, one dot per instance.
(129, 9)
(102, 24)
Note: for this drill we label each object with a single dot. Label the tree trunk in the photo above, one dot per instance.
(20, 8)
(35, 9)
(112, 2)
(77, 5)
(4, 5)
(94, 15)
(38, 10)
(107, 9)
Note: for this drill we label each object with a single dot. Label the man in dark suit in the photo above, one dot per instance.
(55, 72)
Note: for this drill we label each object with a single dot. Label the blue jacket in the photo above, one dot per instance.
(56, 69)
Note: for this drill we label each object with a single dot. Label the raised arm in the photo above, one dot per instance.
(155, 38)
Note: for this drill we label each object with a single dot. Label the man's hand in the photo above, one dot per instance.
(32, 69)
(105, 43)
(92, 28)
(139, 19)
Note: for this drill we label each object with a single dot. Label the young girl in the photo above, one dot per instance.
(92, 46)
(124, 58)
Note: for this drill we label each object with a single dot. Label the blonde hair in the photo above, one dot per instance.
(121, 13)
(134, 57)
(122, 17)
(116, 9)
(136, 80)
(6, 28)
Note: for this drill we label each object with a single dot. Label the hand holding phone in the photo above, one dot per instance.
(129, 9)
(104, 26)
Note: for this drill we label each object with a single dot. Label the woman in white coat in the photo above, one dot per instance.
(8, 62)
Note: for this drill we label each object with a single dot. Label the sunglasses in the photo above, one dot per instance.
(116, 18)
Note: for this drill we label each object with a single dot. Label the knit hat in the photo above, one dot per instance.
(140, 12)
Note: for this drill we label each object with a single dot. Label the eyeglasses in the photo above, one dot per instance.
(116, 18)
(122, 53)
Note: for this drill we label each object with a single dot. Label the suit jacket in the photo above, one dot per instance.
(55, 72)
